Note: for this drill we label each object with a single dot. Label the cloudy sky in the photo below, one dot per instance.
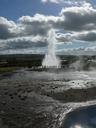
(25, 24)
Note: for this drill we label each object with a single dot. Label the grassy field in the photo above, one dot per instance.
(7, 69)
(9, 63)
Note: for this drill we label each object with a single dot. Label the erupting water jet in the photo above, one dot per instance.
(51, 60)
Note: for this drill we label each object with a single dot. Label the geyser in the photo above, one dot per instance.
(51, 60)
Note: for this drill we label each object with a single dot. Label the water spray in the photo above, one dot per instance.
(51, 60)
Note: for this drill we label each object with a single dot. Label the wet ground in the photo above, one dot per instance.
(48, 99)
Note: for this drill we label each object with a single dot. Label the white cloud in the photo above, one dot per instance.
(70, 2)
(73, 23)
(53, 1)
(38, 24)
(71, 20)
(23, 42)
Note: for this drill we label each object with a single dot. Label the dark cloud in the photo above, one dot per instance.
(38, 24)
(7, 28)
(89, 36)
(22, 43)
(79, 18)
(83, 36)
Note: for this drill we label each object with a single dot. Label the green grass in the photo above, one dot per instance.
(7, 69)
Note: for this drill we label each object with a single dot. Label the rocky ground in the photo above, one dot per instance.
(42, 99)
